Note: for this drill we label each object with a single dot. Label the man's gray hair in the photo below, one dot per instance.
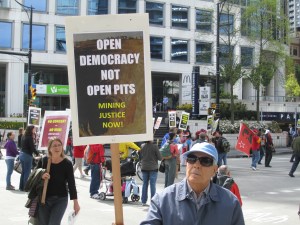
(223, 170)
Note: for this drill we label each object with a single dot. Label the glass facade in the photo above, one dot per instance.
(67, 7)
(38, 5)
(156, 13)
(180, 16)
(157, 48)
(226, 24)
(203, 52)
(126, 6)
(97, 7)
(246, 56)
(179, 50)
(2, 89)
(38, 38)
(6, 34)
(60, 39)
(224, 53)
(203, 20)
(4, 3)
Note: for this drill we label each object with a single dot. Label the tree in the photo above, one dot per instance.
(297, 73)
(231, 70)
(265, 26)
(292, 86)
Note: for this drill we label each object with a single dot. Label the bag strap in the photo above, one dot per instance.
(46, 182)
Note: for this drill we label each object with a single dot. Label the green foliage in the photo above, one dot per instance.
(185, 107)
(240, 111)
(292, 86)
(11, 125)
(227, 128)
(297, 73)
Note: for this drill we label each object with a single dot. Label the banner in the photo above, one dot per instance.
(109, 78)
(172, 118)
(56, 124)
(184, 119)
(157, 123)
(34, 116)
(244, 141)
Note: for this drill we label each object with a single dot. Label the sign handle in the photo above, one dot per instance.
(115, 158)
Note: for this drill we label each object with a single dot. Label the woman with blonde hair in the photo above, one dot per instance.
(61, 174)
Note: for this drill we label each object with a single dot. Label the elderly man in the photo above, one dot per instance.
(196, 200)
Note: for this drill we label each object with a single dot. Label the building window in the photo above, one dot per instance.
(295, 51)
(4, 3)
(179, 50)
(225, 53)
(156, 13)
(6, 34)
(203, 20)
(203, 52)
(127, 6)
(67, 7)
(246, 56)
(226, 24)
(38, 37)
(157, 48)
(37, 5)
(180, 16)
(97, 7)
(60, 39)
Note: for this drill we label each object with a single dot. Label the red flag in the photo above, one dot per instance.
(244, 141)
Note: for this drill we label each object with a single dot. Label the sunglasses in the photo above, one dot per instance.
(204, 161)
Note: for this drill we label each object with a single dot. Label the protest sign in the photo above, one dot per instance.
(172, 118)
(110, 78)
(157, 123)
(34, 116)
(184, 120)
(56, 124)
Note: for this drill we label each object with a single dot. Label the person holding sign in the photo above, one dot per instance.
(61, 174)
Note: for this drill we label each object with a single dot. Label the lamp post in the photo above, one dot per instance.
(217, 111)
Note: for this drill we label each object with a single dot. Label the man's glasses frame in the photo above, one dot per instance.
(204, 160)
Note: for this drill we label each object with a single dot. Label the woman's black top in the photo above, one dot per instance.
(28, 145)
(60, 175)
(20, 140)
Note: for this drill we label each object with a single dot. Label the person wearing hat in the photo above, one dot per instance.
(255, 148)
(196, 200)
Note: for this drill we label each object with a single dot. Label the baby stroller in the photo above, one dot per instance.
(129, 187)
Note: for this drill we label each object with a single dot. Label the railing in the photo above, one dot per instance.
(275, 98)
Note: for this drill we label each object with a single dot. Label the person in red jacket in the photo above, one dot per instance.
(255, 148)
(78, 156)
(96, 165)
(225, 180)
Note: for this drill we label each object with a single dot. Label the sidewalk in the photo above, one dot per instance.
(237, 154)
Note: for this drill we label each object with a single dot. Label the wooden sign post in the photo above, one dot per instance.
(110, 84)
(115, 158)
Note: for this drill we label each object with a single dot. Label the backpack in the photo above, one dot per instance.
(90, 155)
(165, 151)
(225, 145)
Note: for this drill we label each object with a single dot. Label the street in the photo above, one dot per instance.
(269, 196)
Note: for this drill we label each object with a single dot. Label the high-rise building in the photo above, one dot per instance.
(182, 37)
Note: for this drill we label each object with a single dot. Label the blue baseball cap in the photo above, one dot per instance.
(204, 147)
